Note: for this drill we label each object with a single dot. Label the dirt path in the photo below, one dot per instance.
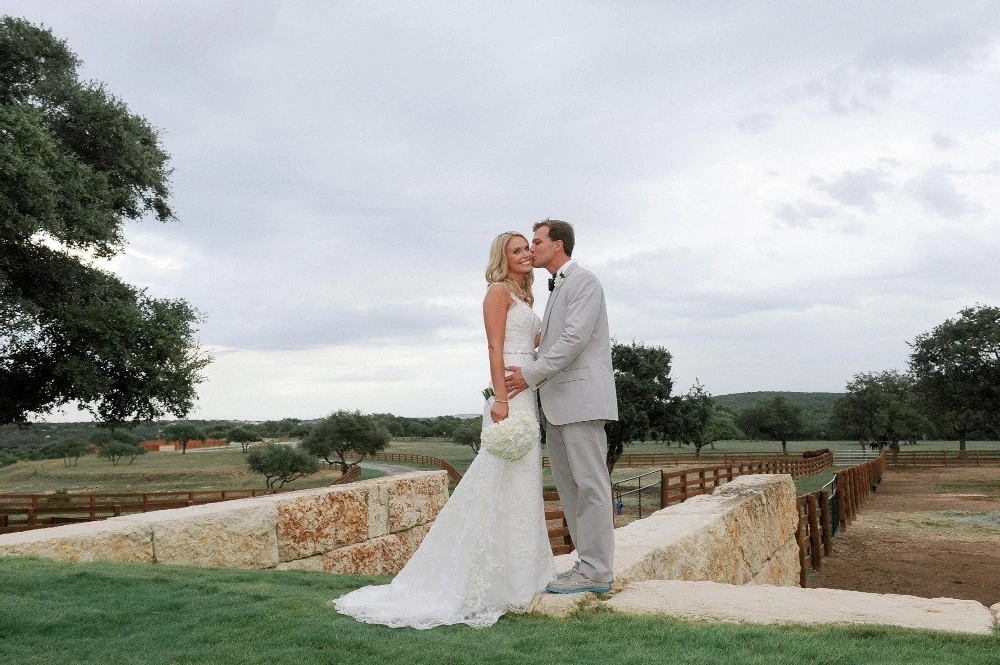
(931, 532)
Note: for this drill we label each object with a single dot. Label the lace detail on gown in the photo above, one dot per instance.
(488, 551)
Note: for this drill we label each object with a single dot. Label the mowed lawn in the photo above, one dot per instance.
(133, 614)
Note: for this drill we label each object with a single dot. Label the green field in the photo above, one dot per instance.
(135, 614)
(206, 469)
(226, 468)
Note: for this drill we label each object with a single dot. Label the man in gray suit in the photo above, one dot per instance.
(576, 387)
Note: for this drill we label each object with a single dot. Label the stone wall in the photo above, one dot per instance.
(743, 533)
(370, 527)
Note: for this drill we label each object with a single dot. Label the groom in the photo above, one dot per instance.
(576, 386)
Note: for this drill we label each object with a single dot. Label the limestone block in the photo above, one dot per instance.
(782, 569)
(760, 515)
(561, 605)
(380, 556)
(782, 605)
(312, 563)
(416, 498)
(316, 521)
(229, 534)
(996, 611)
(728, 536)
(108, 540)
(378, 507)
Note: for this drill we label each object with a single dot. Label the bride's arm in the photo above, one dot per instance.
(495, 307)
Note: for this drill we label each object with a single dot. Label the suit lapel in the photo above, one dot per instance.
(553, 296)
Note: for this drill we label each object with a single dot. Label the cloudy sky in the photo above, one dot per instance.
(780, 193)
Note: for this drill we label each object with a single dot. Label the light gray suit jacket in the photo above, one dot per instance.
(573, 372)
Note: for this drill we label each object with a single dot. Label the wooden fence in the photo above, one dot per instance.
(454, 475)
(679, 486)
(650, 460)
(821, 513)
(943, 458)
(23, 512)
(559, 538)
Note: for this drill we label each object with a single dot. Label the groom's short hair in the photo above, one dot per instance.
(559, 230)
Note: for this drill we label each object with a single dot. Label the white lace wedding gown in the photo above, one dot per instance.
(488, 551)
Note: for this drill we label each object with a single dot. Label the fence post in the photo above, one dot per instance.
(663, 491)
(815, 551)
(842, 493)
(824, 512)
(800, 538)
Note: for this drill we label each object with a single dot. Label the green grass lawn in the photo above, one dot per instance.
(134, 614)
(209, 469)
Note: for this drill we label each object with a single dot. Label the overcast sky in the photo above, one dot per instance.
(781, 193)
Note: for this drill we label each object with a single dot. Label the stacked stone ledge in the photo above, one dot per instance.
(743, 534)
(369, 528)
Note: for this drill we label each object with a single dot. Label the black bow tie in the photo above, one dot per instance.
(552, 283)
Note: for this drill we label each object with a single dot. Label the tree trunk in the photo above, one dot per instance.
(615, 450)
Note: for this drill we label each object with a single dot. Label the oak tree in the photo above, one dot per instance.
(75, 165)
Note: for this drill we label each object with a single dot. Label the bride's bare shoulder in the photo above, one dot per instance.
(497, 294)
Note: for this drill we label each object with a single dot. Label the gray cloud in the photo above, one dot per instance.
(843, 91)
(943, 141)
(802, 213)
(756, 123)
(340, 169)
(940, 36)
(934, 190)
(855, 188)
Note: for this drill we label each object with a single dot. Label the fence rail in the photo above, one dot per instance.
(24, 512)
(454, 475)
(943, 458)
(627, 497)
(677, 486)
(645, 460)
(559, 538)
(681, 485)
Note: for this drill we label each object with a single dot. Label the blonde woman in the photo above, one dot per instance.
(488, 551)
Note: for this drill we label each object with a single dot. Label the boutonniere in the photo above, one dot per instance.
(560, 278)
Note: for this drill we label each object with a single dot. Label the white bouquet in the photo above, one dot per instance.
(511, 438)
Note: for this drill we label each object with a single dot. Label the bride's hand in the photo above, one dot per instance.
(499, 411)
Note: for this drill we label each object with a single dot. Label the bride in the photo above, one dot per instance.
(488, 551)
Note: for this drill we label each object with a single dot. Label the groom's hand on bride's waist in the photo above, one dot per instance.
(514, 382)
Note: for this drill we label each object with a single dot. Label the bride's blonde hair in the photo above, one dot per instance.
(496, 269)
